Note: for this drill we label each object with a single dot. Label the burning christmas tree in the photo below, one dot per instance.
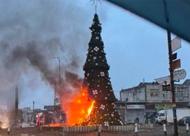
(98, 82)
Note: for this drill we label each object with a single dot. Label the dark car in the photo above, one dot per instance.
(184, 120)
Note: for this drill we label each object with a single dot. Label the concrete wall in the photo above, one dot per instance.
(182, 93)
(154, 93)
(133, 95)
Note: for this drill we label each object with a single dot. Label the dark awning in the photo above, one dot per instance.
(153, 10)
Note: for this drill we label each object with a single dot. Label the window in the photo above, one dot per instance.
(154, 92)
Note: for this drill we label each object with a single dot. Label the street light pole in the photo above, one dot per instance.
(59, 80)
(59, 68)
(59, 61)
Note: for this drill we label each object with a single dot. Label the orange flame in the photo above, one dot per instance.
(55, 125)
(78, 108)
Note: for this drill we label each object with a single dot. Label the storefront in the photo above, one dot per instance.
(134, 111)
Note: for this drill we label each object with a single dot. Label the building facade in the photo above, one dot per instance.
(145, 99)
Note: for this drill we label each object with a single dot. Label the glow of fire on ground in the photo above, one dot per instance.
(5, 123)
(4, 119)
(78, 108)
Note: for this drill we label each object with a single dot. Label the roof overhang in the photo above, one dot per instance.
(154, 11)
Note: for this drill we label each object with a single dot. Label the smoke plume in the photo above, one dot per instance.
(33, 35)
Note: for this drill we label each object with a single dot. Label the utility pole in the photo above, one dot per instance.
(59, 68)
(171, 69)
(172, 87)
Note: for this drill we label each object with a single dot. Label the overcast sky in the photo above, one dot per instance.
(136, 50)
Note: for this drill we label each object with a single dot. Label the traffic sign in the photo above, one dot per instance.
(176, 44)
(176, 64)
(174, 56)
(178, 75)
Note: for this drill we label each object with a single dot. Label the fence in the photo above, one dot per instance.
(104, 129)
(80, 129)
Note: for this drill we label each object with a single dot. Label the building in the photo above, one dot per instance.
(27, 115)
(144, 100)
(50, 114)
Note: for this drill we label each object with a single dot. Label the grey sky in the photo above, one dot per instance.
(135, 48)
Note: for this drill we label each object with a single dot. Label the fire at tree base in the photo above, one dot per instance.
(94, 103)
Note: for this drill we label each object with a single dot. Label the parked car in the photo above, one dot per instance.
(184, 120)
(167, 115)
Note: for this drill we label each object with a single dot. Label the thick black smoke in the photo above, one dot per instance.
(32, 55)
(33, 34)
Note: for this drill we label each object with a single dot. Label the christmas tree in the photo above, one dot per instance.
(98, 82)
